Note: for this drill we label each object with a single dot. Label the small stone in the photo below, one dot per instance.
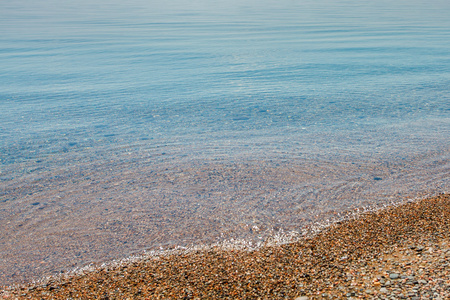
(421, 281)
(384, 290)
(302, 298)
(394, 276)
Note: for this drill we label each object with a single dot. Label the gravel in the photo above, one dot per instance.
(378, 246)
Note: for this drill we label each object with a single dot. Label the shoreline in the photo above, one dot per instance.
(399, 251)
(56, 221)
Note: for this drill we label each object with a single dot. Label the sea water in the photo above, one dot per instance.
(135, 125)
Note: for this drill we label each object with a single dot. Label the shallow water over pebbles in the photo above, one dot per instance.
(95, 211)
(148, 125)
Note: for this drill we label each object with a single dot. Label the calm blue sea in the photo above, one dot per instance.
(152, 109)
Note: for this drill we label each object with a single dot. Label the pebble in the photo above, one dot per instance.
(421, 281)
(393, 276)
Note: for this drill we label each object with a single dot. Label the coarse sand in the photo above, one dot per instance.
(401, 252)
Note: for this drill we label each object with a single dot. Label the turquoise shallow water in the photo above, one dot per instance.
(148, 124)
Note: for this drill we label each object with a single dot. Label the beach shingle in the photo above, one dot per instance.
(381, 262)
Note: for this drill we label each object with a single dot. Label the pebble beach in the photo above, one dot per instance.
(400, 252)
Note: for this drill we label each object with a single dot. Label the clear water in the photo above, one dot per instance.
(130, 125)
